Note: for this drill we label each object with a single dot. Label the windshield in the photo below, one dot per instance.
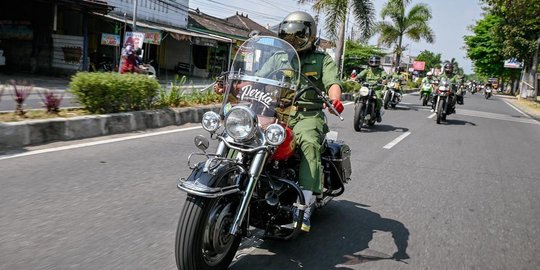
(264, 76)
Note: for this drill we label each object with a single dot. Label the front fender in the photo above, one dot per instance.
(205, 182)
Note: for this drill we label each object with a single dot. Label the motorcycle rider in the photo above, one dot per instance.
(448, 75)
(374, 73)
(307, 118)
(427, 80)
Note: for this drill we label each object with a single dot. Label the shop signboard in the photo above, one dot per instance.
(419, 65)
(512, 63)
(153, 37)
(110, 39)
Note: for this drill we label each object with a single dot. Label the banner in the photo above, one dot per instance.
(132, 41)
(512, 63)
(110, 39)
(419, 65)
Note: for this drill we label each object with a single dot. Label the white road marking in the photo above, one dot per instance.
(397, 140)
(515, 108)
(497, 116)
(75, 146)
(431, 115)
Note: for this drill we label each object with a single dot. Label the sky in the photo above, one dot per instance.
(450, 20)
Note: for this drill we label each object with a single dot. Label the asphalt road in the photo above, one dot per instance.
(461, 195)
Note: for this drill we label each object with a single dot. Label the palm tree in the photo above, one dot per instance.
(413, 25)
(336, 19)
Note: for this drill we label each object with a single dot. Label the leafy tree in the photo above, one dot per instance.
(485, 49)
(414, 25)
(357, 54)
(521, 31)
(336, 17)
(432, 60)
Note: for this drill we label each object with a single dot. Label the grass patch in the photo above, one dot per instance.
(42, 114)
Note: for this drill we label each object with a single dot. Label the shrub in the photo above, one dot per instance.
(21, 92)
(104, 92)
(51, 100)
(178, 96)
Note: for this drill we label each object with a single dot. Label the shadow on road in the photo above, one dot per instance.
(340, 238)
(459, 122)
(383, 128)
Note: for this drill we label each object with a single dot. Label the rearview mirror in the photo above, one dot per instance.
(201, 142)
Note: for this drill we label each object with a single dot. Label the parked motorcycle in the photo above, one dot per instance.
(364, 106)
(442, 101)
(392, 96)
(251, 181)
(425, 93)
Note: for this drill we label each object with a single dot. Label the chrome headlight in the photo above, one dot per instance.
(275, 134)
(240, 123)
(364, 91)
(211, 121)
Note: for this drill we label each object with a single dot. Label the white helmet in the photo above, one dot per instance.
(430, 73)
(299, 29)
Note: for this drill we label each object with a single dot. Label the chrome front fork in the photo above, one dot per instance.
(255, 170)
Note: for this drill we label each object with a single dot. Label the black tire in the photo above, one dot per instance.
(425, 100)
(440, 111)
(393, 105)
(358, 116)
(386, 99)
(197, 224)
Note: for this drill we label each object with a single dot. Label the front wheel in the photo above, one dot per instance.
(358, 116)
(386, 99)
(440, 111)
(202, 238)
(425, 100)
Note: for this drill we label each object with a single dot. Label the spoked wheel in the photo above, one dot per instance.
(358, 116)
(202, 239)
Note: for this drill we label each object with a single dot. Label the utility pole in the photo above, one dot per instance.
(134, 15)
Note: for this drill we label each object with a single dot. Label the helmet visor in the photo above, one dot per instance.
(297, 33)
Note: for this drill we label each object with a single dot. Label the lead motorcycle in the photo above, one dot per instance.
(364, 106)
(442, 101)
(251, 180)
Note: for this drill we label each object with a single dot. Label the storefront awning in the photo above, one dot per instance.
(173, 30)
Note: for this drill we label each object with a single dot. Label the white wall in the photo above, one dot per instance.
(175, 14)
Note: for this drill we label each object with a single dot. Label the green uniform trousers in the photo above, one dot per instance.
(310, 129)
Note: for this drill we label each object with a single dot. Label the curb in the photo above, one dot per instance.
(32, 132)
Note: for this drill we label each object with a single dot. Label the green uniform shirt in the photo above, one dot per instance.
(373, 75)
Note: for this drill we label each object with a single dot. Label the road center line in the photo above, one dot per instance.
(397, 140)
(75, 146)
(431, 115)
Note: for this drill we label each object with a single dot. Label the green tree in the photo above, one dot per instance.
(520, 28)
(485, 49)
(432, 59)
(336, 19)
(413, 25)
(357, 54)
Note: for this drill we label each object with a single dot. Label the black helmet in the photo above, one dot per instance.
(374, 61)
(299, 29)
(448, 68)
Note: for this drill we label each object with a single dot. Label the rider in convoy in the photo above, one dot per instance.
(375, 74)
(306, 117)
(353, 75)
(448, 75)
